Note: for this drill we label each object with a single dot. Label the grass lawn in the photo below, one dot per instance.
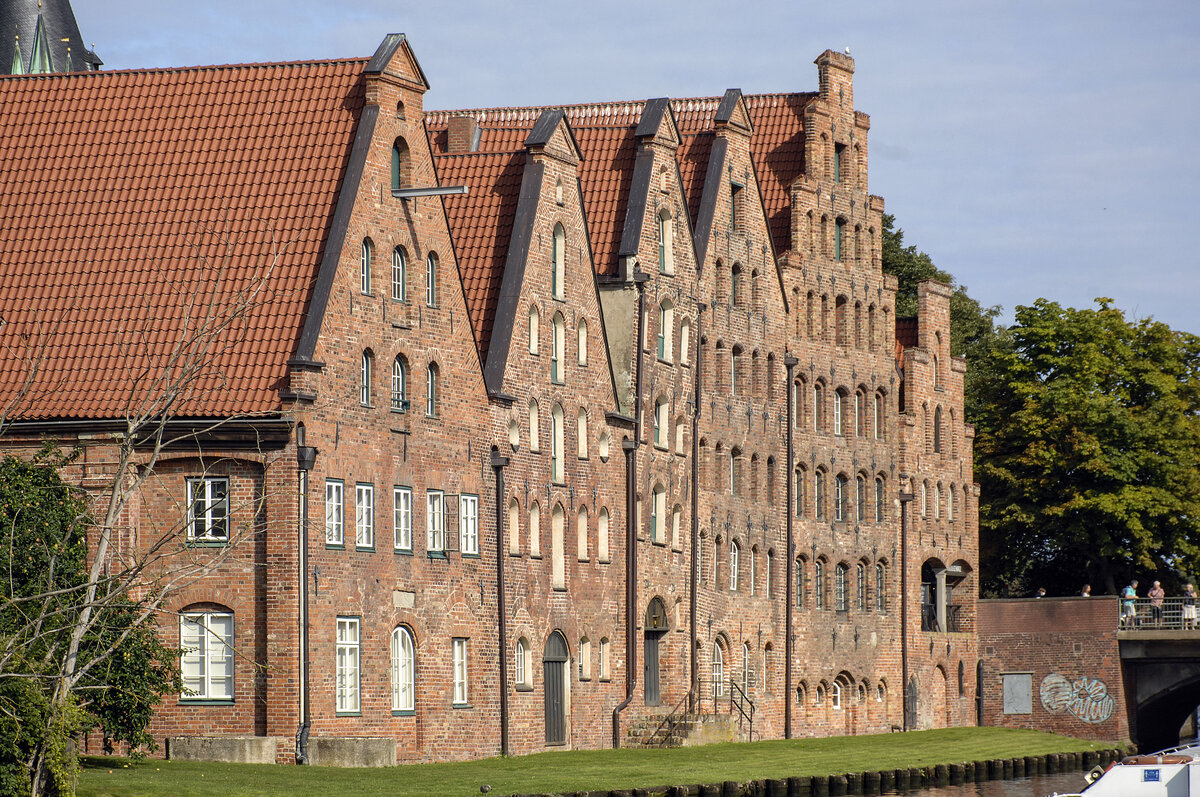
(577, 770)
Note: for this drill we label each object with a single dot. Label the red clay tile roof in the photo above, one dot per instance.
(130, 198)
(906, 332)
(481, 225)
(778, 148)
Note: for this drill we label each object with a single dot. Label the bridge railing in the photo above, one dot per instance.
(1166, 614)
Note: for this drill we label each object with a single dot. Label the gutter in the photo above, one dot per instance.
(306, 457)
(790, 363)
(630, 448)
(499, 462)
(694, 577)
(905, 500)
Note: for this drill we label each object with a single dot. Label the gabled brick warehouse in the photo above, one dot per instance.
(513, 428)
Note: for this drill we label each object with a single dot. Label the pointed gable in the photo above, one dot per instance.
(732, 112)
(395, 57)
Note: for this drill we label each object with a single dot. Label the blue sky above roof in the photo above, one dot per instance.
(1033, 149)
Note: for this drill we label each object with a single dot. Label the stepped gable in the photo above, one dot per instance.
(132, 198)
(481, 225)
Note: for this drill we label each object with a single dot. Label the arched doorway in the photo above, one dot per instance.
(554, 671)
(655, 626)
(910, 703)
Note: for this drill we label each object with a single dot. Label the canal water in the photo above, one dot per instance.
(1035, 786)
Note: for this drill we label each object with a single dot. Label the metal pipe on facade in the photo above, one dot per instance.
(694, 572)
(790, 363)
(630, 448)
(306, 457)
(499, 462)
(905, 500)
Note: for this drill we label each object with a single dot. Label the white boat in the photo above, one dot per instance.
(1168, 773)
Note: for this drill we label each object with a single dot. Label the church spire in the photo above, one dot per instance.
(50, 33)
(18, 63)
(41, 62)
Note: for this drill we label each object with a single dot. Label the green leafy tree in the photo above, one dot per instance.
(1088, 451)
(122, 668)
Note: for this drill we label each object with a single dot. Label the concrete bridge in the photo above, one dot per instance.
(1076, 666)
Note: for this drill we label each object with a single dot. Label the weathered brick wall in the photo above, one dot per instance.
(1069, 647)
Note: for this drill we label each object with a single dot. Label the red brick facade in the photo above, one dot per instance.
(678, 291)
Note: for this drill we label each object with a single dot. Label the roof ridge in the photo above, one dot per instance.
(197, 68)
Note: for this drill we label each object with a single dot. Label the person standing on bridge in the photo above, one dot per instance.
(1156, 595)
(1129, 605)
(1086, 592)
(1189, 606)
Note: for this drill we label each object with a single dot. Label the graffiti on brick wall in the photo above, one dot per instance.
(1086, 698)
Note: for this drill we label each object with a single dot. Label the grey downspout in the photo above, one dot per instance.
(306, 457)
(630, 448)
(905, 499)
(694, 578)
(499, 462)
(789, 362)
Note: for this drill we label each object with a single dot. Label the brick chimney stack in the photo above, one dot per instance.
(462, 134)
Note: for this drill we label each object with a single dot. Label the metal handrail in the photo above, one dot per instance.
(670, 719)
(738, 699)
(1165, 614)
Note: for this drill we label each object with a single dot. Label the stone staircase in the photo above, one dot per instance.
(681, 730)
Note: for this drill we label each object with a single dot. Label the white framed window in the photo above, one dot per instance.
(557, 457)
(658, 513)
(402, 518)
(435, 521)
(840, 598)
(521, 669)
(399, 385)
(364, 269)
(666, 331)
(347, 665)
(468, 524)
(734, 554)
(334, 505)
(431, 280)
(403, 670)
(753, 570)
(558, 348)
(364, 515)
(718, 671)
(585, 659)
(602, 535)
(666, 244)
(835, 695)
(558, 571)
(431, 390)
(208, 509)
(206, 664)
(460, 671)
(364, 381)
(660, 422)
(399, 275)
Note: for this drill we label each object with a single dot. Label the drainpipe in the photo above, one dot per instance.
(790, 363)
(905, 499)
(499, 462)
(630, 448)
(694, 576)
(306, 457)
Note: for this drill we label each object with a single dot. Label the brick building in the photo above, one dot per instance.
(511, 428)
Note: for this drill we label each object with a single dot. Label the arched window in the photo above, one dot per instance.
(680, 427)
(534, 423)
(819, 406)
(860, 413)
(364, 266)
(771, 481)
(735, 467)
(880, 588)
(752, 575)
(581, 341)
(535, 529)
(431, 390)
(861, 592)
(800, 489)
(736, 288)
(770, 572)
(718, 671)
(676, 519)
(880, 505)
(403, 670)
(604, 446)
(399, 274)
(658, 513)
(558, 274)
(735, 551)
(819, 493)
(839, 232)
(840, 598)
(581, 533)
(556, 352)
(581, 434)
(557, 467)
(860, 495)
(522, 671)
(558, 571)
(841, 323)
(877, 408)
(666, 243)
(937, 430)
(950, 503)
(937, 501)
(924, 500)
(840, 406)
(666, 331)
(400, 164)
(585, 659)
(871, 327)
(431, 286)
(660, 421)
(745, 667)
(364, 378)
(602, 535)
(809, 315)
(735, 370)
(534, 331)
(819, 584)
(840, 497)
(399, 384)
(514, 527)
(801, 581)
(685, 341)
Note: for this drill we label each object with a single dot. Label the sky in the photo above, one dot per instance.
(1033, 149)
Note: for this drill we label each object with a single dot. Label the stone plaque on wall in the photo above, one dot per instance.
(1018, 693)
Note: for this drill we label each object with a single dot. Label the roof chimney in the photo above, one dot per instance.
(462, 134)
